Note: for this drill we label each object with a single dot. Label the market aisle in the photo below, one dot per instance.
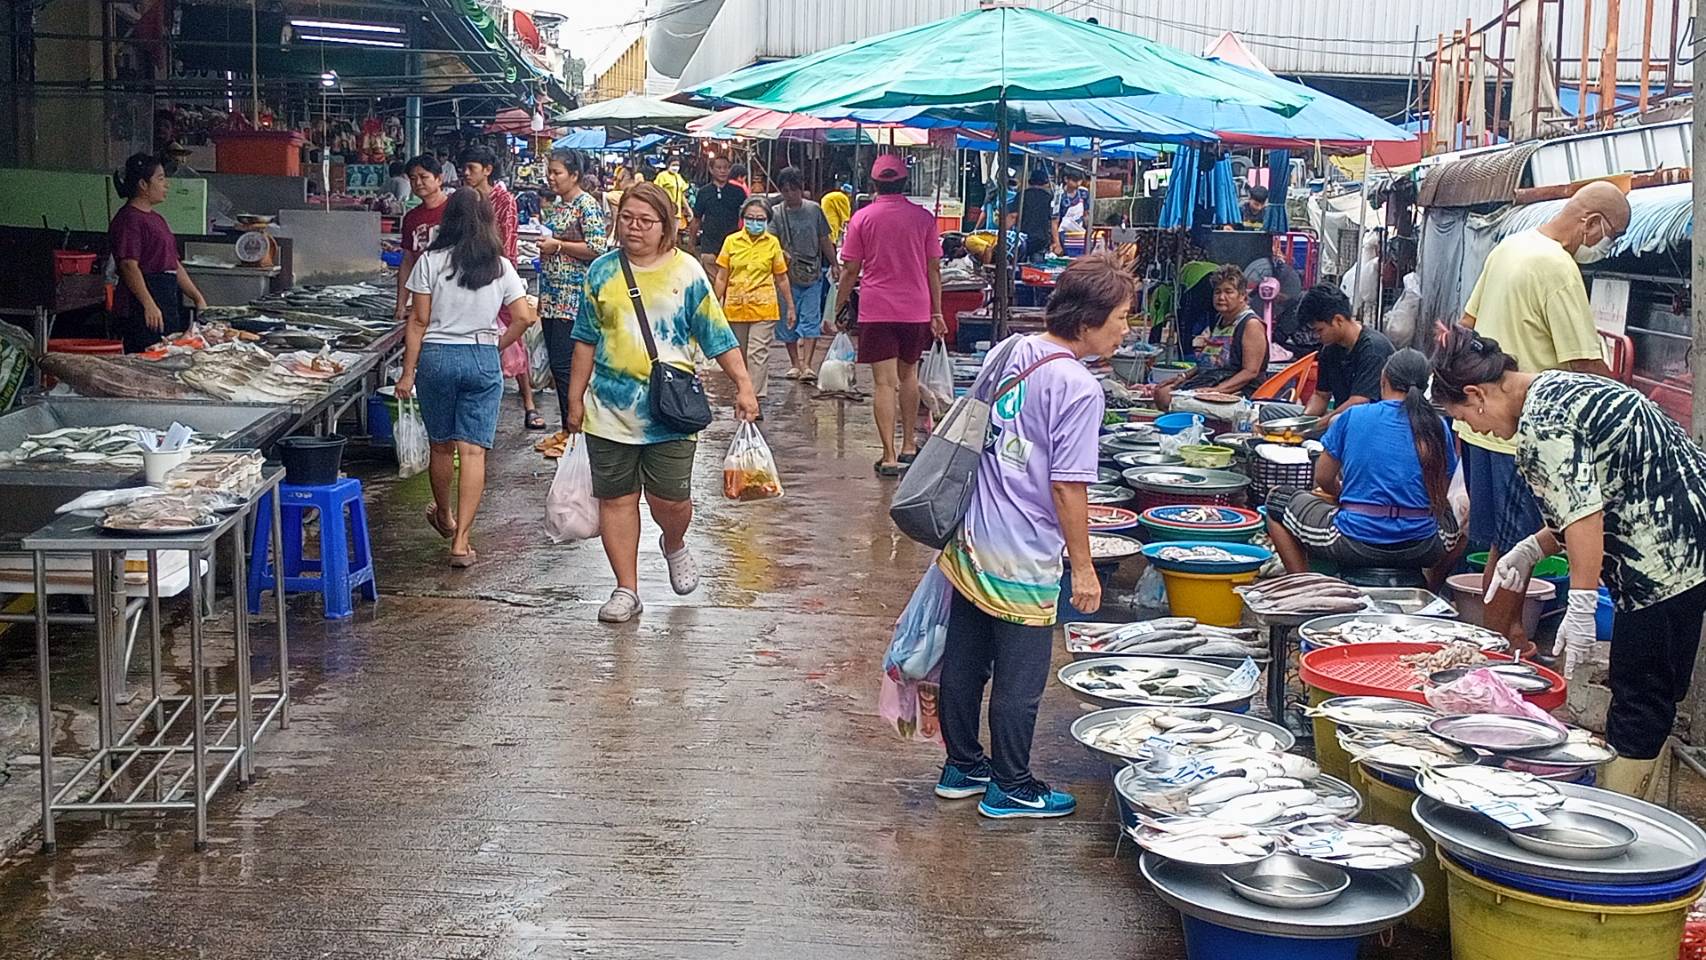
(478, 769)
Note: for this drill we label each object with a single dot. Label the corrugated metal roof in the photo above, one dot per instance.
(1319, 37)
(1660, 218)
(1473, 181)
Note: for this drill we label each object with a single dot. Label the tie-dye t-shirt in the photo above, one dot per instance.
(1006, 557)
(685, 320)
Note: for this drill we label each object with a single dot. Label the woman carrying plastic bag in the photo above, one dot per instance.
(571, 511)
(414, 451)
(936, 379)
(836, 375)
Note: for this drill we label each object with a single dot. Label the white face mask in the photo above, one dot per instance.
(1594, 254)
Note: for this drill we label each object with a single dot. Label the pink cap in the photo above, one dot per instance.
(889, 167)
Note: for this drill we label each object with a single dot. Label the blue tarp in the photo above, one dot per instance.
(1660, 218)
(1197, 197)
(1065, 148)
(595, 138)
(1274, 218)
(1325, 118)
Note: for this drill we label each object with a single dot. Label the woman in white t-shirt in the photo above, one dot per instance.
(452, 341)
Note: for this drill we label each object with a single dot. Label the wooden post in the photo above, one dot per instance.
(1608, 64)
(1499, 72)
(1434, 99)
(1646, 53)
(1697, 356)
(1582, 81)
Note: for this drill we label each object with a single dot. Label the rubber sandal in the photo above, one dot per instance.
(534, 421)
(432, 518)
(889, 469)
(554, 440)
(462, 561)
(908, 457)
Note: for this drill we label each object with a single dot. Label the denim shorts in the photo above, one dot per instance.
(808, 312)
(461, 388)
(1502, 508)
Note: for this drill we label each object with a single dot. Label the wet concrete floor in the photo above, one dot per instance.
(479, 769)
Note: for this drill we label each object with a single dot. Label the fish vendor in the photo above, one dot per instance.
(152, 283)
(1623, 489)
(1382, 482)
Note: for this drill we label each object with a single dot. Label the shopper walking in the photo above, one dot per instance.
(1623, 489)
(837, 206)
(152, 283)
(1029, 509)
(752, 286)
(451, 347)
(1531, 299)
(805, 235)
(479, 173)
(716, 213)
(420, 225)
(893, 254)
(579, 234)
(675, 185)
(609, 389)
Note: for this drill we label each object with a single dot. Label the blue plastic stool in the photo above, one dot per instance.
(335, 575)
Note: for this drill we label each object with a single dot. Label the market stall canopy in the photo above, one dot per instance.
(1062, 148)
(1062, 118)
(597, 138)
(981, 57)
(518, 122)
(1326, 120)
(633, 110)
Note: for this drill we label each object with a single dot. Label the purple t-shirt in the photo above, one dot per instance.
(1007, 557)
(894, 241)
(143, 236)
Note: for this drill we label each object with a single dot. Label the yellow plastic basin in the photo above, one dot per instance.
(1331, 757)
(1390, 805)
(1207, 597)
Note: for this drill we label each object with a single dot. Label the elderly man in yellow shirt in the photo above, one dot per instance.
(837, 207)
(1531, 299)
(674, 185)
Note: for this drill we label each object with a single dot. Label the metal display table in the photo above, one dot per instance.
(136, 769)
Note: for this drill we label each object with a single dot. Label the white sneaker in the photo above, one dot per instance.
(793, 373)
(683, 569)
(623, 605)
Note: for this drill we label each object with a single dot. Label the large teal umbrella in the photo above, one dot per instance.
(996, 53)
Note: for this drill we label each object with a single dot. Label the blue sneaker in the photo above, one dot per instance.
(1032, 800)
(958, 784)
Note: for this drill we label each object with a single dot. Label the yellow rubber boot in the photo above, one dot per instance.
(1632, 778)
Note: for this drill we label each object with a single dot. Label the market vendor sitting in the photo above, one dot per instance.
(1381, 484)
(1351, 359)
(1232, 353)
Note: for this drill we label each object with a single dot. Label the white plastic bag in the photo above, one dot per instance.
(749, 469)
(413, 447)
(936, 379)
(841, 348)
(921, 632)
(571, 512)
(835, 376)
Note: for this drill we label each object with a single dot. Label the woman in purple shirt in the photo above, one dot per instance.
(151, 286)
(1030, 508)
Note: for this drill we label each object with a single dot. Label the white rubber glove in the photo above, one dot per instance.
(1514, 567)
(1577, 631)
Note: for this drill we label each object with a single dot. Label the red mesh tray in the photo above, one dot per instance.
(1373, 670)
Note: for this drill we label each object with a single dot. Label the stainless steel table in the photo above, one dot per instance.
(114, 779)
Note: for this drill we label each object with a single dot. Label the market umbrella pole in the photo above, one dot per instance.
(1003, 136)
(1090, 204)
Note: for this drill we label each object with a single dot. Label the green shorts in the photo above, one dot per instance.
(664, 470)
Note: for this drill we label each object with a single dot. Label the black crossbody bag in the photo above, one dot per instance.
(677, 396)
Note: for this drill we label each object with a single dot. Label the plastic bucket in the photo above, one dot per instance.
(1468, 594)
(381, 419)
(311, 461)
(1332, 758)
(1389, 802)
(1207, 597)
(1211, 941)
(1599, 894)
(1490, 921)
(68, 263)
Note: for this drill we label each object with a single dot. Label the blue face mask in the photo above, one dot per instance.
(755, 227)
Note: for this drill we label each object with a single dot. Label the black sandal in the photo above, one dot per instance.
(888, 469)
(533, 420)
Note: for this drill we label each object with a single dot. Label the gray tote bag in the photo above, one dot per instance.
(934, 495)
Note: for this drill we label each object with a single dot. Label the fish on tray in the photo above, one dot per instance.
(1302, 593)
(1130, 735)
(1202, 841)
(1432, 631)
(1466, 786)
(1358, 846)
(1165, 635)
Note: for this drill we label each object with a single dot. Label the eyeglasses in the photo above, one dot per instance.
(643, 223)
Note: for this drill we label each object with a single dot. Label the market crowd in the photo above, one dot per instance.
(1507, 433)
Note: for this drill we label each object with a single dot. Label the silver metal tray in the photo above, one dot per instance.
(1287, 882)
(1312, 630)
(1464, 755)
(1576, 836)
(1111, 494)
(1083, 724)
(1382, 705)
(1519, 677)
(1129, 784)
(1193, 480)
(1410, 601)
(1231, 700)
(1667, 844)
(1496, 733)
(1374, 901)
(1555, 756)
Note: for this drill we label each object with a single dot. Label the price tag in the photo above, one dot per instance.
(1245, 675)
(1193, 770)
(1510, 814)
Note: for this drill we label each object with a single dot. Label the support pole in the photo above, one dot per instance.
(1608, 65)
(1582, 80)
(255, 63)
(1090, 205)
(1362, 229)
(1499, 73)
(1697, 318)
(1003, 286)
(1646, 52)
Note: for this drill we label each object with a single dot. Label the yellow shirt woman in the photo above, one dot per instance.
(752, 264)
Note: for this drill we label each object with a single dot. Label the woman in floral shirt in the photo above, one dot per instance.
(580, 233)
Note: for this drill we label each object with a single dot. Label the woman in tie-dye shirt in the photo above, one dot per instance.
(1030, 507)
(609, 389)
(580, 234)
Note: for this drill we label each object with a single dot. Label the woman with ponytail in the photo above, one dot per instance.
(151, 287)
(1380, 497)
(1622, 490)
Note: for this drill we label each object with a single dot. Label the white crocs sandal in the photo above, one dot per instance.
(683, 569)
(623, 606)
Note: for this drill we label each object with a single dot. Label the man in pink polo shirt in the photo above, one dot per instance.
(893, 252)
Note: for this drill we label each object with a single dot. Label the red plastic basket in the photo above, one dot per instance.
(1373, 670)
(1148, 498)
